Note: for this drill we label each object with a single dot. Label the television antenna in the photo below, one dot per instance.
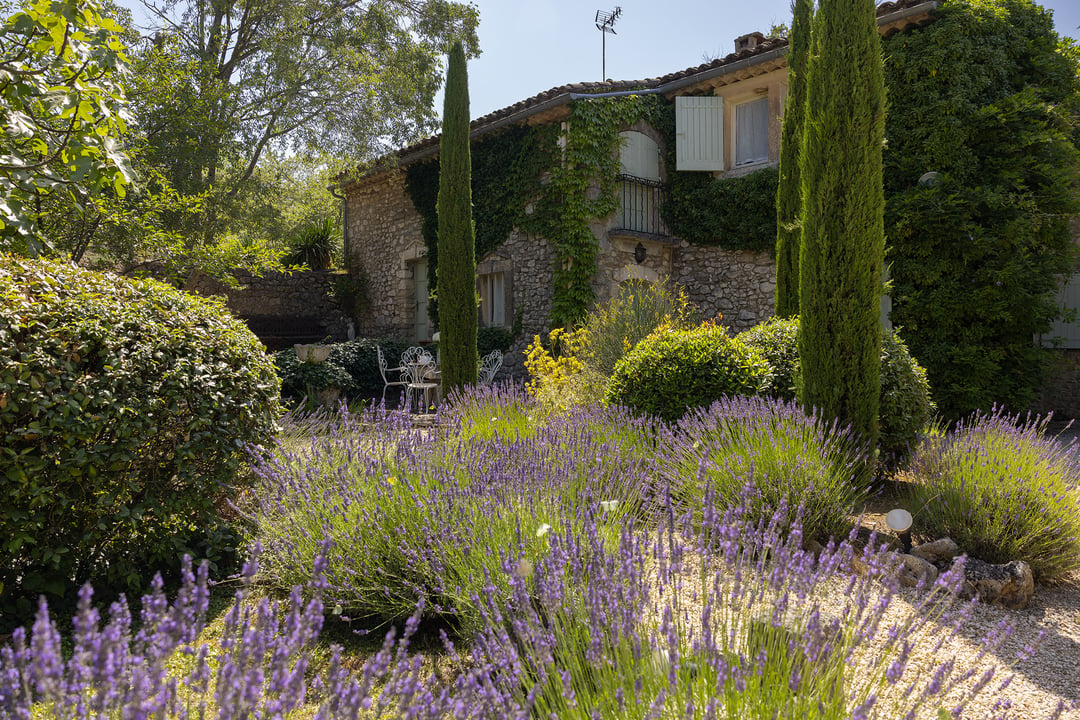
(605, 23)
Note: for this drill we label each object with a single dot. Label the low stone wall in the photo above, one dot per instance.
(278, 306)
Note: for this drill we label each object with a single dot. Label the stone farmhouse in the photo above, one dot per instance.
(728, 117)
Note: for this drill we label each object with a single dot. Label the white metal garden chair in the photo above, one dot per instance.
(384, 369)
(489, 366)
(423, 375)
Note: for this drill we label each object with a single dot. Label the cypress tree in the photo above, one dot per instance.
(456, 246)
(788, 192)
(843, 241)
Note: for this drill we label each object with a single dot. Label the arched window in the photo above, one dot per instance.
(641, 192)
(639, 155)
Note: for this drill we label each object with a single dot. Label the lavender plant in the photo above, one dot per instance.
(1003, 490)
(660, 626)
(724, 619)
(433, 513)
(792, 459)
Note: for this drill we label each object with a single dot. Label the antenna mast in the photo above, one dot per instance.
(605, 23)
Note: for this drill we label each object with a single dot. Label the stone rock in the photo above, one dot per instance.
(940, 552)
(914, 571)
(1010, 585)
(909, 570)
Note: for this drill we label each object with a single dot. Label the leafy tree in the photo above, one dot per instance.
(63, 111)
(457, 266)
(843, 242)
(988, 97)
(788, 192)
(229, 80)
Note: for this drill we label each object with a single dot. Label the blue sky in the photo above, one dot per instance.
(533, 45)
(529, 46)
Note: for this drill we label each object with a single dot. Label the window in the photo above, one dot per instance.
(639, 155)
(752, 132)
(493, 300)
(641, 192)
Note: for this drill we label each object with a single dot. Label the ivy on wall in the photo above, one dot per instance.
(525, 177)
(583, 187)
(733, 213)
(507, 168)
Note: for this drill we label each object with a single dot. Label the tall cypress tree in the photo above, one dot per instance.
(789, 191)
(843, 240)
(456, 246)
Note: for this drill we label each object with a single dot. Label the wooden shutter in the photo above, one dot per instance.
(699, 133)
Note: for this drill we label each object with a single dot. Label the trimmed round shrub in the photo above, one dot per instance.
(1003, 490)
(125, 409)
(778, 340)
(905, 406)
(766, 455)
(671, 371)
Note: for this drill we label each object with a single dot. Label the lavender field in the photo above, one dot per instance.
(588, 564)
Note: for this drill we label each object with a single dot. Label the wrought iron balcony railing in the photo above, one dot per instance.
(639, 206)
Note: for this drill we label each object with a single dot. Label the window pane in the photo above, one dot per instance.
(752, 132)
(492, 300)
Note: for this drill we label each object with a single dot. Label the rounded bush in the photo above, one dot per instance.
(778, 340)
(1003, 490)
(905, 406)
(125, 406)
(671, 371)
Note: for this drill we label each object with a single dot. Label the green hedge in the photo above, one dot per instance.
(905, 406)
(125, 406)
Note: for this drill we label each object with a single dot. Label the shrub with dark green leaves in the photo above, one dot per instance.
(672, 370)
(489, 339)
(302, 379)
(360, 359)
(125, 407)
(905, 406)
(778, 340)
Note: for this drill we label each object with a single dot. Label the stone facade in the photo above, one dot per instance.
(383, 237)
(738, 285)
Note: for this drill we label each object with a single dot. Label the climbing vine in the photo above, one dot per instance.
(553, 180)
(582, 187)
(506, 170)
(524, 177)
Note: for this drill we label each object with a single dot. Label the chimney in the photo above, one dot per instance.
(748, 41)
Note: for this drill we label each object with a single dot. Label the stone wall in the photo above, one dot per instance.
(737, 284)
(532, 267)
(276, 305)
(384, 238)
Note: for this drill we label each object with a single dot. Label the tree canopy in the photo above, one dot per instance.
(223, 82)
(63, 112)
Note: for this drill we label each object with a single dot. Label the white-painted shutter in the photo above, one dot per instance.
(699, 133)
